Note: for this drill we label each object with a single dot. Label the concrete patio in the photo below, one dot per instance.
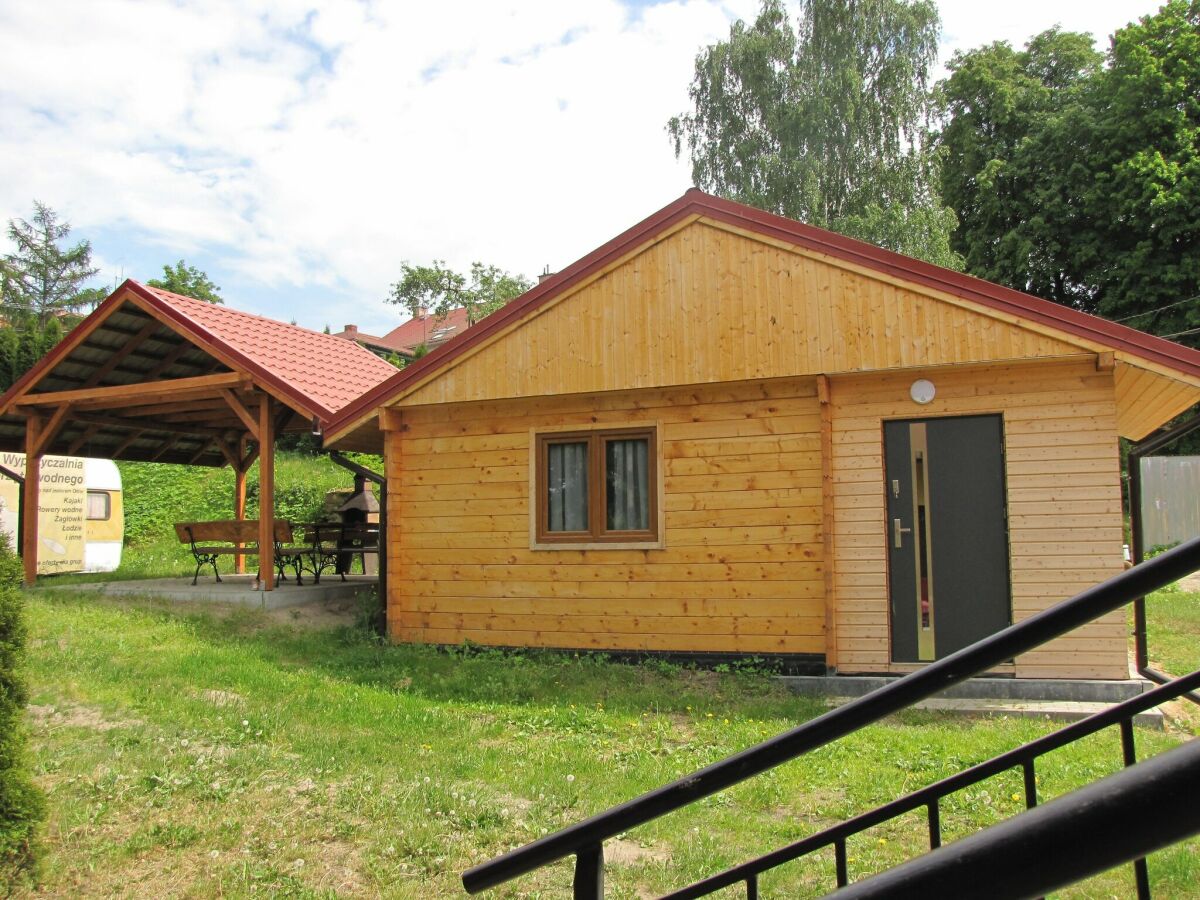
(238, 589)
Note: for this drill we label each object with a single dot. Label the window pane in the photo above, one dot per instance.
(567, 487)
(97, 505)
(627, 477)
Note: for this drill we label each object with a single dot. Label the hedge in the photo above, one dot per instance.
(21, 804)
(157, 495)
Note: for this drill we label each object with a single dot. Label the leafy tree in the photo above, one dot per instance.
(41, 277)
(438, 289)
(1144, 201)
(21, 347)
(189, 281)
(1011, 167)
(824, 121)
(1080, 182)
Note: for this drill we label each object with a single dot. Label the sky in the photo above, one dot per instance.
(300, 152)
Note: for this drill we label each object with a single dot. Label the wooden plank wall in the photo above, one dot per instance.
(742, 568)
(1064, 502)
(707, 305)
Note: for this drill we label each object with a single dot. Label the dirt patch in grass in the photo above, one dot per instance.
(223, 698)
(336, 866)
(77, 717)
(1183, 717)
(627, 853)
(315, 616)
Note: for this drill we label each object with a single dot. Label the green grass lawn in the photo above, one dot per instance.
(198, 754)
(1173, 631)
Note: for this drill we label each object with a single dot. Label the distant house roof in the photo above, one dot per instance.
(697, 205)
(372, 342)
(426, 329)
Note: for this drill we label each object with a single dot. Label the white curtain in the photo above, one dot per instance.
(627, 475)
(568, 487)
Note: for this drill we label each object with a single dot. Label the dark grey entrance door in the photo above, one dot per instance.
(947, 534)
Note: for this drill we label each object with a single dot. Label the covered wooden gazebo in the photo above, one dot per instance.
(157, 377)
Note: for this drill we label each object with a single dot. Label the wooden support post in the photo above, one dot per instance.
(825, 399)
(266, 494)
(29, 496)
(239, 500)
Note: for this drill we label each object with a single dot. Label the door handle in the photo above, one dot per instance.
(897, 531)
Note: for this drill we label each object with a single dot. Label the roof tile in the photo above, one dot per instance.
(328, 370)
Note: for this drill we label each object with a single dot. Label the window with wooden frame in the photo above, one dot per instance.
(597, 486)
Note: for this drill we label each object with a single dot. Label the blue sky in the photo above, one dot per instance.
(299, 152)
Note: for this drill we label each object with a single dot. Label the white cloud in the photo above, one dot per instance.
(316, 145)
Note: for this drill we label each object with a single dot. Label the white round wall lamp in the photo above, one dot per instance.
(922, 391)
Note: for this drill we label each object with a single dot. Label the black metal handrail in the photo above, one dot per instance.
(585, 839)
(1070, 838)
(1121, 714)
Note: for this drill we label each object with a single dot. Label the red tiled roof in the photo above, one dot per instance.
(428, 329)
(696, 202)
(323, 370)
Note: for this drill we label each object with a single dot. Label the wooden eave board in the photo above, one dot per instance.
(1147, 399)
(706, 303)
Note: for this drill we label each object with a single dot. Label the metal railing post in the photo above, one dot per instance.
(589, 873)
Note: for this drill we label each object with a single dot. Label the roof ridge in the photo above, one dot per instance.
(221, 308)
(696, 202)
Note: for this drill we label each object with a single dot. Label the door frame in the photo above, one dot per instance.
(1008, 667)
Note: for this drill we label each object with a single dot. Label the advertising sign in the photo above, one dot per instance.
(62, 499)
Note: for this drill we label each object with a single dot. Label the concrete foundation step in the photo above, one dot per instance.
(1061, 700)
(1023, 689)
(1054, 710)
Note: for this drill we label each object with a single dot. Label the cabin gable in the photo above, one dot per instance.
(705, 303)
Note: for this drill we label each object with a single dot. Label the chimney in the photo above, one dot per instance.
(351, 330)
(422, 312)
(546, 273)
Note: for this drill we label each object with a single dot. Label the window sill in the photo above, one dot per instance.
(599, 545)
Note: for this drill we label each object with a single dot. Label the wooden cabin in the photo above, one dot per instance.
(725, 432)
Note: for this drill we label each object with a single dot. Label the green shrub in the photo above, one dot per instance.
(157, 495)
(21, 806)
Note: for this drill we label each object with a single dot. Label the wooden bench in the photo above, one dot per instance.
(229, 537)
(329, 546)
